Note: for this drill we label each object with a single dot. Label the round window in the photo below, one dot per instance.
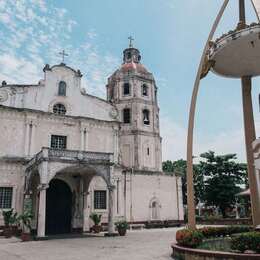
(59, 109)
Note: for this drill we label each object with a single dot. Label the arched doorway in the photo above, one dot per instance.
(155, 210)
(58, 208)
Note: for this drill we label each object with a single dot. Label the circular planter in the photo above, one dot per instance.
(97, 229)
(8, 232)
(26, 237)
(180, 252)
(121, 231)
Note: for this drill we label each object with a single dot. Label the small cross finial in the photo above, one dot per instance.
(130, 38)
(63, 55)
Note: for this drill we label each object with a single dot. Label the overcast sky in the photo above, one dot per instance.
(170, 35)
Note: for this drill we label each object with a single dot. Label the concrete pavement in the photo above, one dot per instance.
(136, 245)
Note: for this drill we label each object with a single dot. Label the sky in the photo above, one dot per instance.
(170, 35)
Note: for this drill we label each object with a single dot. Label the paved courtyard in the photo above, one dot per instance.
(145, 245)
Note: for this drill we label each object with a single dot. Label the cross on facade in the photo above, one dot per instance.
(63, 54)
(130, 38)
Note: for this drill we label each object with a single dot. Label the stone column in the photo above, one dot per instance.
(82, 145)
(42, 211)
(32, 148)
(250, 136)
(111, 199)
(86, 213)
(27, 139)
(116, 146)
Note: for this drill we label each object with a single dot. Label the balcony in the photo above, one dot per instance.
(72, 156)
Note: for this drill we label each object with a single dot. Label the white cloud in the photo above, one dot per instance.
(33, 33)
(92, 34)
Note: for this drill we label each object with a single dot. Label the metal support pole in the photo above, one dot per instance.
(242, 13)
(190, 185)
(256, 12)
(250, 136)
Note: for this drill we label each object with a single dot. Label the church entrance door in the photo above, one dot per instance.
(58, 208)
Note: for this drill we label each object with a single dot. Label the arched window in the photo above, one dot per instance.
(62, 88)
(155, 210)
(145, 90)
(126, 89)
(59, 109)
(155, 207)
(127, 115)
(146, 117)
(129, 56)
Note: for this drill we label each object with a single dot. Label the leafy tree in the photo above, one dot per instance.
(179, 168)
(223, 177)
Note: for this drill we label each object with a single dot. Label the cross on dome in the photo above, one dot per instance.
(131, 39)
(63, 54)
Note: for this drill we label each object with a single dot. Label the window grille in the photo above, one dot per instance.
(58, 142)
(100, 199)
(6, 195)
(59, 109)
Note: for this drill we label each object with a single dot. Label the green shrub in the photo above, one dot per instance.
(211, 232)
(122, 224)
(10, 217)
(189, 238)
(96, 218)
(246, 241)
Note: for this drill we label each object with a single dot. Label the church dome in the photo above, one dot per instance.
(131, 63)
(135, 67)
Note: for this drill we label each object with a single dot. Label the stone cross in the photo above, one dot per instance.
(130, 38)
(63, 54)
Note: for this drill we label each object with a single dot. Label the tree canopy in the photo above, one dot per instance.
(217, 178)
(223, 178)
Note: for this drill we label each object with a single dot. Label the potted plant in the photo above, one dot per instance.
(25, 222)
(121, 227)
(96, 218)
(10, 219)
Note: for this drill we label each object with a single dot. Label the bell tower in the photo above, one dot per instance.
(132, 89)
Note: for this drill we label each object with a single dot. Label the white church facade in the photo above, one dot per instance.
(67, 153)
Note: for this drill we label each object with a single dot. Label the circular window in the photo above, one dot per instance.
(59, 109)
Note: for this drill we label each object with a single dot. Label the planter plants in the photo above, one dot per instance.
(25, 222)
(249, 241)
(10, 220)
(189, 238)
(121, 227)
(96, 218)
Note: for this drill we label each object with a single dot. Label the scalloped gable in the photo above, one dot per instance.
(45, 95)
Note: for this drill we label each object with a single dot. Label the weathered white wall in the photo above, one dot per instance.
(145, 189)
(12, 175)
(15, 138)
(141, 191)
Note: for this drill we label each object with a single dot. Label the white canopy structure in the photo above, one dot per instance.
(236, 55)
